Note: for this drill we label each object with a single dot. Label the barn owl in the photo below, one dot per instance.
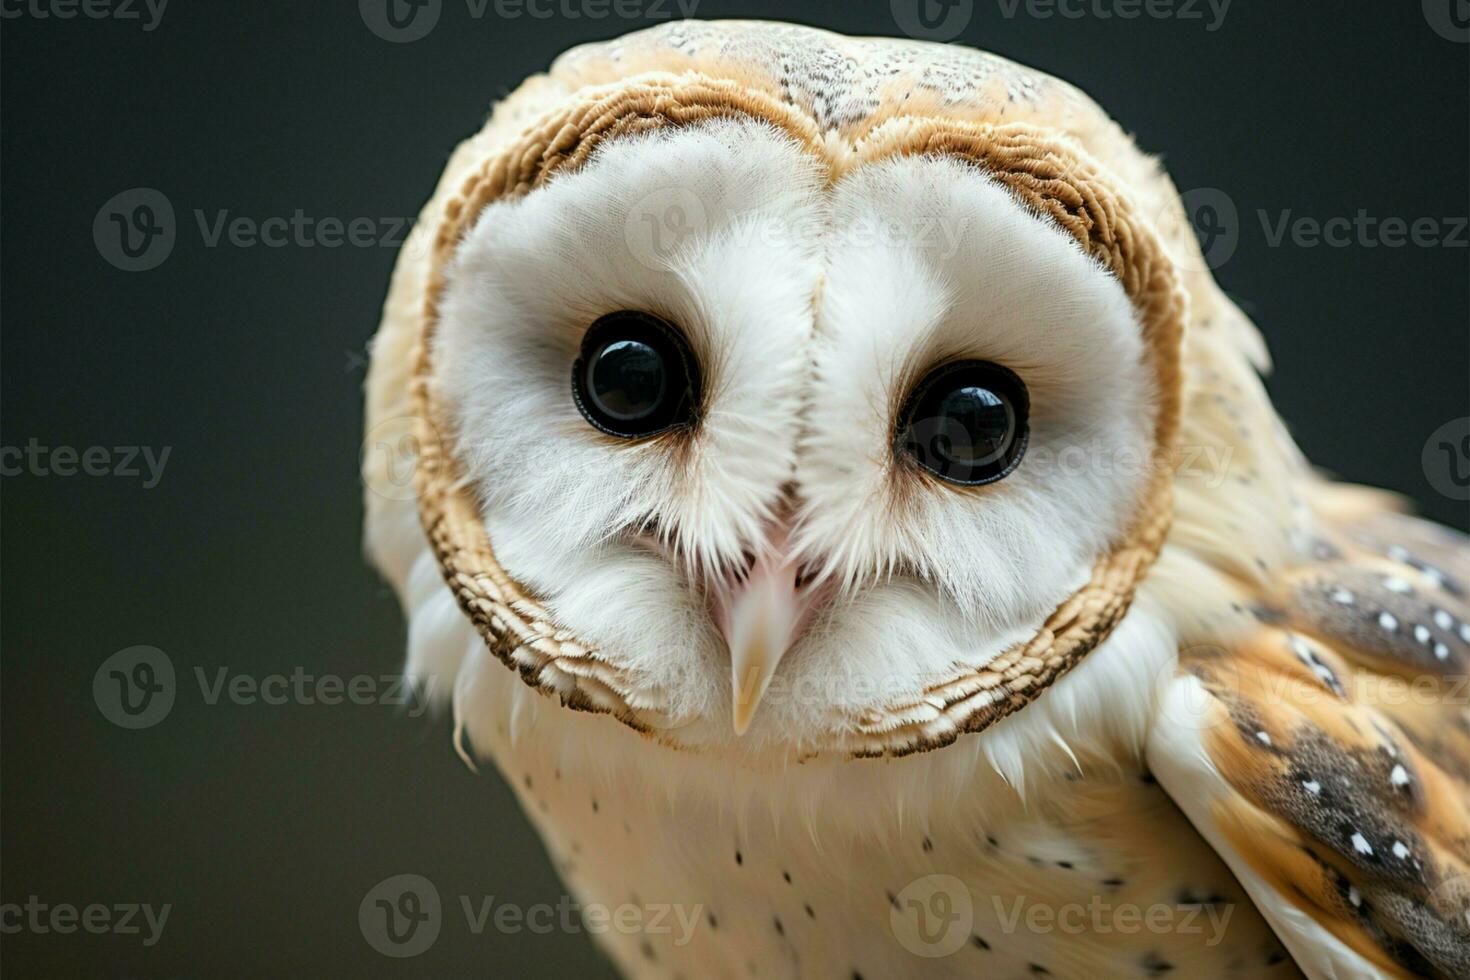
(829, 485)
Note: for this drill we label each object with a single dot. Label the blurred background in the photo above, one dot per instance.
(203, 390)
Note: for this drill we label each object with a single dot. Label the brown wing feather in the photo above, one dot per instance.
(1346, 733)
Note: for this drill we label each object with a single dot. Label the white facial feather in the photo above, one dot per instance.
(932, 261)
(559, 499)
(813, 311)
(1098, 713)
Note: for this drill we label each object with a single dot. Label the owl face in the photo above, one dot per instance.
(786, 445)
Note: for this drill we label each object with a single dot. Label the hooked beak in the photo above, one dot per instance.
(760, 618)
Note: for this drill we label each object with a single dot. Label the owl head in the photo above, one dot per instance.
(781, 394)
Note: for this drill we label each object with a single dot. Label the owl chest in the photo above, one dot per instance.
(677, 885)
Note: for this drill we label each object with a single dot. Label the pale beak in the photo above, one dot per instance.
(759, 624)
(760, 618)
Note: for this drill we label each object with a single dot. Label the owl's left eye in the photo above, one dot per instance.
(636, 376)
(966, 423)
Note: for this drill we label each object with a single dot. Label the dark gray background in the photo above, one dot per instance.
(265, 826)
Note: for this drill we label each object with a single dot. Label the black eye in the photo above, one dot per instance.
(636, 376)
(966, 422)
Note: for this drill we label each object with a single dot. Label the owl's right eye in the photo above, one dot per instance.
(636, 376)
(966, 423)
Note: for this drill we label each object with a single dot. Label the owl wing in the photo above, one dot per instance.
(1325, 754)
